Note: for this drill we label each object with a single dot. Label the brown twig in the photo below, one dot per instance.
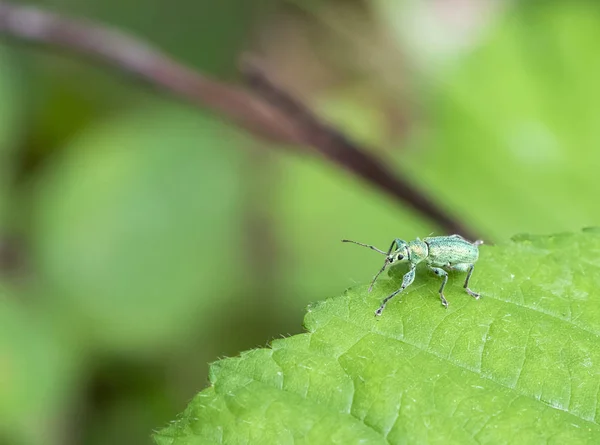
(127, 53)
(273, 114)
(339, 149)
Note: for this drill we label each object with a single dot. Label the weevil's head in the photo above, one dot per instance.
(399, 253)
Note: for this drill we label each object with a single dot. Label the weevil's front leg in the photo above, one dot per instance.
(407, 280)
(441, 273)
(466, 285)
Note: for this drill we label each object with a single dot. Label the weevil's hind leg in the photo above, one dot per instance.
(441, 273)
(407, 280)
(466, 267)
(466, 285)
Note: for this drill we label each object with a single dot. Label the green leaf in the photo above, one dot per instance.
(521, 365)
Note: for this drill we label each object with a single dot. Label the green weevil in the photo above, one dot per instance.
(450, 252)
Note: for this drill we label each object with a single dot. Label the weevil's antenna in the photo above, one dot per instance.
(365, 245)
(385, 264)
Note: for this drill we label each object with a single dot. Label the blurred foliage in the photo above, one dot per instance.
(145, 195)
(514, 133)
(518, 366)
(157, 238)
(38, 369)
(10, 129)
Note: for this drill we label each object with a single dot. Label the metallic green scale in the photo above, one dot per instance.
(439, 252)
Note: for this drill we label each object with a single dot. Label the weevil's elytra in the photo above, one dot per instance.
(440, 253)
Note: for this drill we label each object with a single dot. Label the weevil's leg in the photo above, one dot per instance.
(466, 267)
(407, 280)
(385, 263)
(441, 273)
(466, 285)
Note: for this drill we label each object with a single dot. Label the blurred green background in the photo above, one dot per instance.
(141, 239)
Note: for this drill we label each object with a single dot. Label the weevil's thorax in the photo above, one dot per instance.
(417, 251)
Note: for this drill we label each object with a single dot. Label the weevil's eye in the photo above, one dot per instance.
(400, 257)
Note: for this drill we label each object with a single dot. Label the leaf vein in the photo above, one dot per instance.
(467, 368)
(548, 314)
